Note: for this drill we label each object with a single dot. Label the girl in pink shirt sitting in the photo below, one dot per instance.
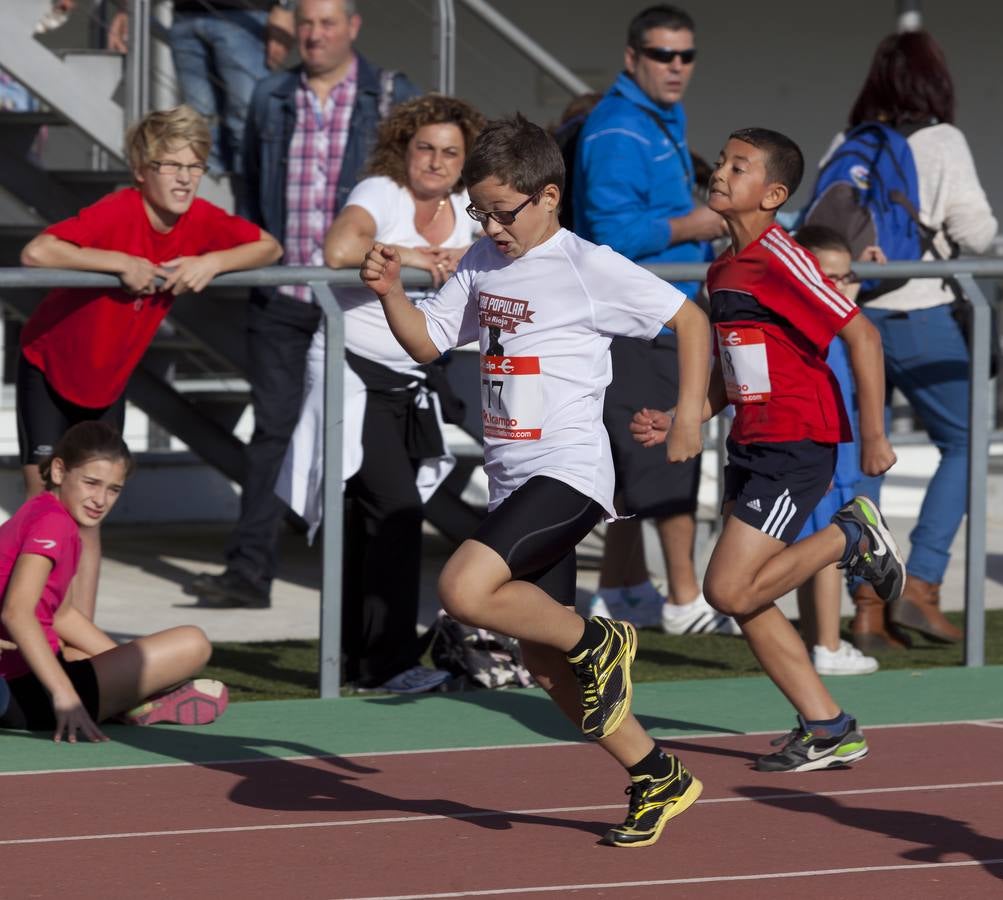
(66, 674)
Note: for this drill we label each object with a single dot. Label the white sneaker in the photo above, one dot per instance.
(607, 603)
(642, 605)
(845, 660)
(416, 680)
(697, 617)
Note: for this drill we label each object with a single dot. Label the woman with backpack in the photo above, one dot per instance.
(909, 91)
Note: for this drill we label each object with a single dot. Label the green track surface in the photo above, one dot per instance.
(357, 725)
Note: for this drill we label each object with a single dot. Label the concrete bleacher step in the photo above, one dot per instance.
(100, 70)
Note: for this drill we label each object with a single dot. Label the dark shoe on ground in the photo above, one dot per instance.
(875, 557)
(919, 608)
(228, 590)
(804, 751)
(871, 630)
(416, 680)
(653, 801)
(603, 674)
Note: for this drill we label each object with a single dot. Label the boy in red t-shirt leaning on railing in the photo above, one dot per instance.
(80, 346)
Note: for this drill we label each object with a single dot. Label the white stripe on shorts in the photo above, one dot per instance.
(784, 509)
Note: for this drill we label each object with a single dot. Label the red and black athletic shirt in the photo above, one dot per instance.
(774, 314)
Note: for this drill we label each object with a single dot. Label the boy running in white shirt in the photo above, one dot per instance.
(544, 305)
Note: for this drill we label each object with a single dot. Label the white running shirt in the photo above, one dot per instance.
(392, 209)
(544, 323)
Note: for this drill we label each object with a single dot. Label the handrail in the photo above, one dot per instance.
(528, 47)
(321, 280)
(275, 276)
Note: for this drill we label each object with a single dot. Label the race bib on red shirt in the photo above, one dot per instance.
(744, 363)
(512, 397)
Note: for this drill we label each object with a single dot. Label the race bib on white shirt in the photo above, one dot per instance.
(512, 397)
(743, 363)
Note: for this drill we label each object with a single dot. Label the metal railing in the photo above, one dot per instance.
(321, 281)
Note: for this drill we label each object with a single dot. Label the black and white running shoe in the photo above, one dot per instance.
(874, 556)
(805, 751)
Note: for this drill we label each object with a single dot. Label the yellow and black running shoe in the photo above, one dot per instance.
(804, 751)
(603, 674)
(653, 801)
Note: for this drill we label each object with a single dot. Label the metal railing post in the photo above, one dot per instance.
(444, 45)
(137, 62)
(978, 464)
(330, 591)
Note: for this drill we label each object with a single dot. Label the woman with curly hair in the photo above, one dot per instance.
(394, 455)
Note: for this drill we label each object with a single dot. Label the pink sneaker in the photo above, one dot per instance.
(197, 702)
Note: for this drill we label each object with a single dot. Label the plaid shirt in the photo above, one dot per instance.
(315, 155)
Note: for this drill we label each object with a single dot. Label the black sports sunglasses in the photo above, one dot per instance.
(663, 55)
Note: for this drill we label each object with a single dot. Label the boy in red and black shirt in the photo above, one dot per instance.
(774, 314)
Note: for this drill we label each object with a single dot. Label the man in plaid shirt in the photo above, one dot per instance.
(307, 137)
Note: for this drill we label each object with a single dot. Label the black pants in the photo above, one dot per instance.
(382, 556)
(279, 332)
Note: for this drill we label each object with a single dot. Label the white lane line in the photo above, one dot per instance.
(989, 724)
(709, 879)
(350, 755)
(481, 814)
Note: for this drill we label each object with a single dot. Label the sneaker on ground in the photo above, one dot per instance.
(416, 680)
(605, 604)
(228, 590)
(642, 605)
(197, 702)
(844, 660)
(804, 751)
(603, 674)
(697, 617)
(653, 801)
(876, 557)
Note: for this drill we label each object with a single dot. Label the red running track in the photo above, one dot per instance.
(921, 817)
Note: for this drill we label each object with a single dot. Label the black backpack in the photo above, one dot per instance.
(478, 657)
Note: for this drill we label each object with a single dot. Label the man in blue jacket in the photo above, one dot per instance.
(634, 190)
(308, 134)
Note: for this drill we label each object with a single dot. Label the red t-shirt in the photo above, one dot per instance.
(774, 314)
(87, 342)
(41, 526)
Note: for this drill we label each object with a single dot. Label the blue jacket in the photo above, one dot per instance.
(630, 179)
(269, 130)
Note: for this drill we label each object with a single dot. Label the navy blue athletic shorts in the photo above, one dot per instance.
(536, 528)
(776, 487)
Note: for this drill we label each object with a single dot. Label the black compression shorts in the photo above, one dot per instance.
(536, 529)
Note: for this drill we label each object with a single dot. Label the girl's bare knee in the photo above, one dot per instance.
(192, 643)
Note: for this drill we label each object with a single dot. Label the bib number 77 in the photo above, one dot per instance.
(511, 398)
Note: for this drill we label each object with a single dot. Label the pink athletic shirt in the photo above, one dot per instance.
(44, 527)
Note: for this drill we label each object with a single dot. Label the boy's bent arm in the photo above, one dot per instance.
(867, 361)
(50, 252)
(380, 272)
(193, 273)
(692, 330)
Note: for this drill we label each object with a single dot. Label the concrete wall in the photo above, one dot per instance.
(787, 64)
